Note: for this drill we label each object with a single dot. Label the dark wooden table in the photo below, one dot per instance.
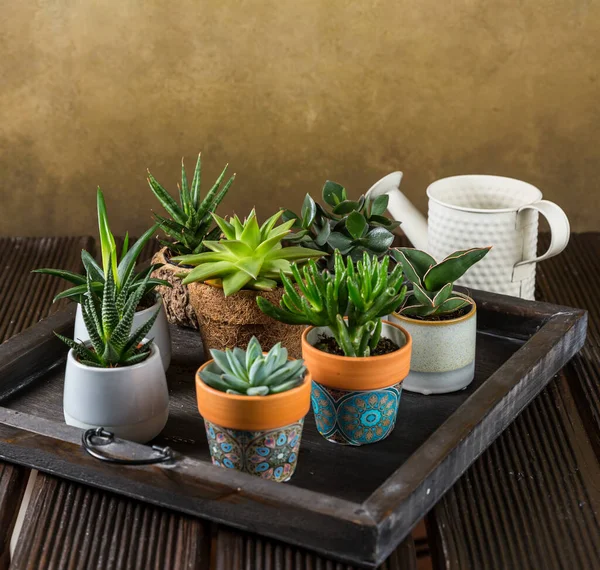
(530, 501)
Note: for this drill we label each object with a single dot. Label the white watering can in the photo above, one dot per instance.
(476, 211)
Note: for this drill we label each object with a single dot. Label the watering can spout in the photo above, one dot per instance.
(414, 224)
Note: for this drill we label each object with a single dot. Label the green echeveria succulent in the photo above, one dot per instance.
(250, 372)
(247, 257)
(191, 222)
(108, 321)
(123, 270)
(352, 227)
(363, 293)
(432, 282)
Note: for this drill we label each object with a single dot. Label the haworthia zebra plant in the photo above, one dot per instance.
(364, 293)
(123, 269)
(250, 372)
(432, 283)
(191, 222)
(108, 321)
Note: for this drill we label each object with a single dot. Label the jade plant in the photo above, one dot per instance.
(351, 300)
(190, 223)
(247, 257)
(250, 372)
(432, 283)
(352, 227)
(109, 320)
(123, 268)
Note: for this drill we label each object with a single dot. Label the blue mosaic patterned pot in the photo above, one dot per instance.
(352, 417)
(269, 454)
(354, 399)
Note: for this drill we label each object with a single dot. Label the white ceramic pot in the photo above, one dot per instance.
(132, 401)
(159, 332)
(443, 353)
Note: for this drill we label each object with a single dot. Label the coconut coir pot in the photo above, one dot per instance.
(227, 322)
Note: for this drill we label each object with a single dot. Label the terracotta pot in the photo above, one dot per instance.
(355, 399)
(176, 299)
(259, 435)
(443, 357)
(227, 322)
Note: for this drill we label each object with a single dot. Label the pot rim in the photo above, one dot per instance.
(406, 347)
(154, 354)
(232, 404)
(446, 322)
(241, 397)
(431, 188)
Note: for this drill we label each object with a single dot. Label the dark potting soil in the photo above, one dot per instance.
(328, 344)
(148, 300)
(449, 317)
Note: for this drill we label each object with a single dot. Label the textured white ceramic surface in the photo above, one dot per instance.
(132, 402)
(443, 353)
(476, 211)
(160, 331)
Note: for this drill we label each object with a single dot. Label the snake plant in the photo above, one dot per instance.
(432, 282)
(123, 270)
(247, 257)
(352, 227)
(364, 293)
(108, 321)
(190, 222)
(250, 372)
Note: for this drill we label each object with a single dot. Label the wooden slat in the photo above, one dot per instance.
(25, 298)
(74, 527)
(243, 551)
(532, 500)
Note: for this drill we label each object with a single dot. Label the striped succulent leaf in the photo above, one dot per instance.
(432, 283)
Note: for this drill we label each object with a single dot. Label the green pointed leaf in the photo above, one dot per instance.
(442, 295)
(107, 240)
(333, 193)
(419, 260)
(451, 305)
(356, 224)
(378, 240)
(67, 275)
(196, 182)
(209, 271)
(309, 211)
(91, 267)
(346, 207)
(257, 391)
(127, 264)
(341, 242)
(166, 200)
(379, 205)
(452, 268)
(250, 265)
(233, 282)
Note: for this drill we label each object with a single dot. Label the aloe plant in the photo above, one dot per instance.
(352, 227)
(432, 283)
(247, 257)
(108, 321)
(250, 372)
(123, 270)
(363, 293)
(190, 223)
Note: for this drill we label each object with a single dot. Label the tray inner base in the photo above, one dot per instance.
(348, 473)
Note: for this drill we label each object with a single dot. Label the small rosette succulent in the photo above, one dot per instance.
(352, 227)
(191, 222)
(432, 283)
(251, 373)
(363, 292)
(247, 257)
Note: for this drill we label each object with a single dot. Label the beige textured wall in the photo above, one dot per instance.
(290, 93)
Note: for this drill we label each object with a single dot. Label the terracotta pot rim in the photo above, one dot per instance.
(346, 359)
(299, 393)
(446, 322)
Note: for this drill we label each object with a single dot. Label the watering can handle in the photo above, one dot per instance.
(402, 210)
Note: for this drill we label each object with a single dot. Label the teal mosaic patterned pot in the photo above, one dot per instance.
(354, 399)
(352, 417)
(269, 454)
(259, 435)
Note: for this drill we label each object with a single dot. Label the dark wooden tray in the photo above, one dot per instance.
(354, 504)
